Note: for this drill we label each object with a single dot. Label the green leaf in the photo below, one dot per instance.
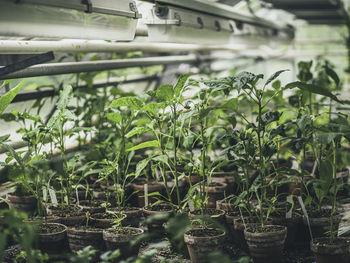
(165, 92)
(326, 137)
(116, 117)
(244, 78)
(13, 153)
(230, 104)
(313, 89)
(303, 122)
(137, 131)
(141, 166)
(270, 116)
(153, 107)
(4, 138)
(65, 96)
(180, 84)
(127, 102)
(161, 158)
(143, 145)
(275, 76)
(330, 72)
(326, 174)
(6, 99)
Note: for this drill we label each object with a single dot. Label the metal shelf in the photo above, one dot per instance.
(315, 11)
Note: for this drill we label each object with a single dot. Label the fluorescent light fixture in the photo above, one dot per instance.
(73, 19)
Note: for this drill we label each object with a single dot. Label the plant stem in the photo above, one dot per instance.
(261, 164)
(334, 193)
(175, 154)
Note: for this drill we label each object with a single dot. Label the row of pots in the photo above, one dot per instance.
(259, 244)
(79, 237)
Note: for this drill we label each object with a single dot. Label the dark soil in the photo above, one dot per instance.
(204, 232)
(66, 211)
(87, 228)
(215, 184)
(312, 212)
(249, 220)
(50, 228)
(264, 229)
(233, 213)
(123, 231)
(208, 211)
(160, 208)
(90, 203)
(327, 241)
(130, 209)
(105, 216)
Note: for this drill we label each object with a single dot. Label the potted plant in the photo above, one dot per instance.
(125, 239)
(83, 235)
(265, 241)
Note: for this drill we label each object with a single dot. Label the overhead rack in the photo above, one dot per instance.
(79, 19)
(188, 20)
(315, 11)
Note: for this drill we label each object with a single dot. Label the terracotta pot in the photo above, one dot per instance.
(67, 215)
(26, 204)
(157, 225)
(133, 216)
(343, 178)
(53, 243)
(11, 253)
(100, 221)
(267, 245)
(193, 179)
(238, 231)
(91, 207)
(230, 216)
(153, 187)
(216, 191)
(227, 178)
(200, 243)
(321, 225)
(326, 252)
(78, 238)
(172, 190)
(115, 239)
(83, 195)
(226, 205)
(216, 214)
(291, 224)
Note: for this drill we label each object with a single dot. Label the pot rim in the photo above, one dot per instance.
(318, 242)
(94, 218)
(222, 233)
(222, 212)
(140, 231)
(282, 229)
(54, 233)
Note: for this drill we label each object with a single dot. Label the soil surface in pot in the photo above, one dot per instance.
(159, 208)
(50, 228)
(105, 216)
(124, 231)
(323, 212)
(208, 211)
(66, 211)
(90, 203)
(204, 232)
(264, 229)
